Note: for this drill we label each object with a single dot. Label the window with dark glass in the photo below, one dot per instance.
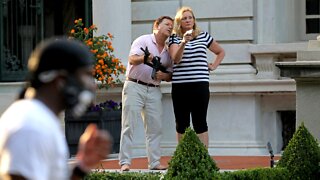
(312, 7)
(312, 25)
(312, 16)
(20, 30)
(24, 23)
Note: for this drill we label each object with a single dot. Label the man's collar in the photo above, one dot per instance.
(153, 37)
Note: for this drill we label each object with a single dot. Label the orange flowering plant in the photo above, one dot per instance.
(107, 67)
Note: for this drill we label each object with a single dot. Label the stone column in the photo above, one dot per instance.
(114, 16)
(306, 72)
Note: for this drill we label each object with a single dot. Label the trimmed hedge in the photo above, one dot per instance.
(302, 155)
(255, 174)
(251, 174)
(98, 175)
(191, 159)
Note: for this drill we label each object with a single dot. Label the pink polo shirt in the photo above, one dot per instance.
(143, 72)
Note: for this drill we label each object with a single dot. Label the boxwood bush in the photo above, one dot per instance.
(191, 159)
(103, 175)
(302, 155)
(250, 174)
(255, 174)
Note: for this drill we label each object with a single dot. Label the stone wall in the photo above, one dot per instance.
(8, 93)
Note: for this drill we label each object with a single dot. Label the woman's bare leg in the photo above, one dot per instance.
(204, 138)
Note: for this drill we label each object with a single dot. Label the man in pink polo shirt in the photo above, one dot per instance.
(141, 94)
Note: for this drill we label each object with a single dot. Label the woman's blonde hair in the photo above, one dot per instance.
(177, 22)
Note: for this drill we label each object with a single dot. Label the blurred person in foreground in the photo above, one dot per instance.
(32, 143)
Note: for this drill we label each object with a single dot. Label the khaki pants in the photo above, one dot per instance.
(141, 102)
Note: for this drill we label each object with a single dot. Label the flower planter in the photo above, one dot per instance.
(107, 120)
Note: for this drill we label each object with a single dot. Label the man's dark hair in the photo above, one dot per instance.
(159, 20)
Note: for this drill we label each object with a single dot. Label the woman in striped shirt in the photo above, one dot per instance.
(190, 80)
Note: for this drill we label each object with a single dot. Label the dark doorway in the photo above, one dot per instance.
(288, 119)
(60, 15)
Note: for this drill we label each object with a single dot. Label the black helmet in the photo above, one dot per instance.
(57, 54)
(61, 56)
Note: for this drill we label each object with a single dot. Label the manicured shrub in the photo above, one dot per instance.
(302, 155)
(191, 160)
(255, 174)
(98, 175)
(250, 174)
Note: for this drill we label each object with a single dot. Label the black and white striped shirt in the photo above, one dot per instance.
(193, 66)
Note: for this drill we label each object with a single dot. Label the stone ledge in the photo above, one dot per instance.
(11, 87)
(299, 64)
(308, 56)
(300, 70)
(277, 48)
(245, 86)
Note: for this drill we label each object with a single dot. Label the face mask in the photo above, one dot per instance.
(77, 98)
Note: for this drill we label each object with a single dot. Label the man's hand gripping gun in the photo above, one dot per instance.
(156, 64)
